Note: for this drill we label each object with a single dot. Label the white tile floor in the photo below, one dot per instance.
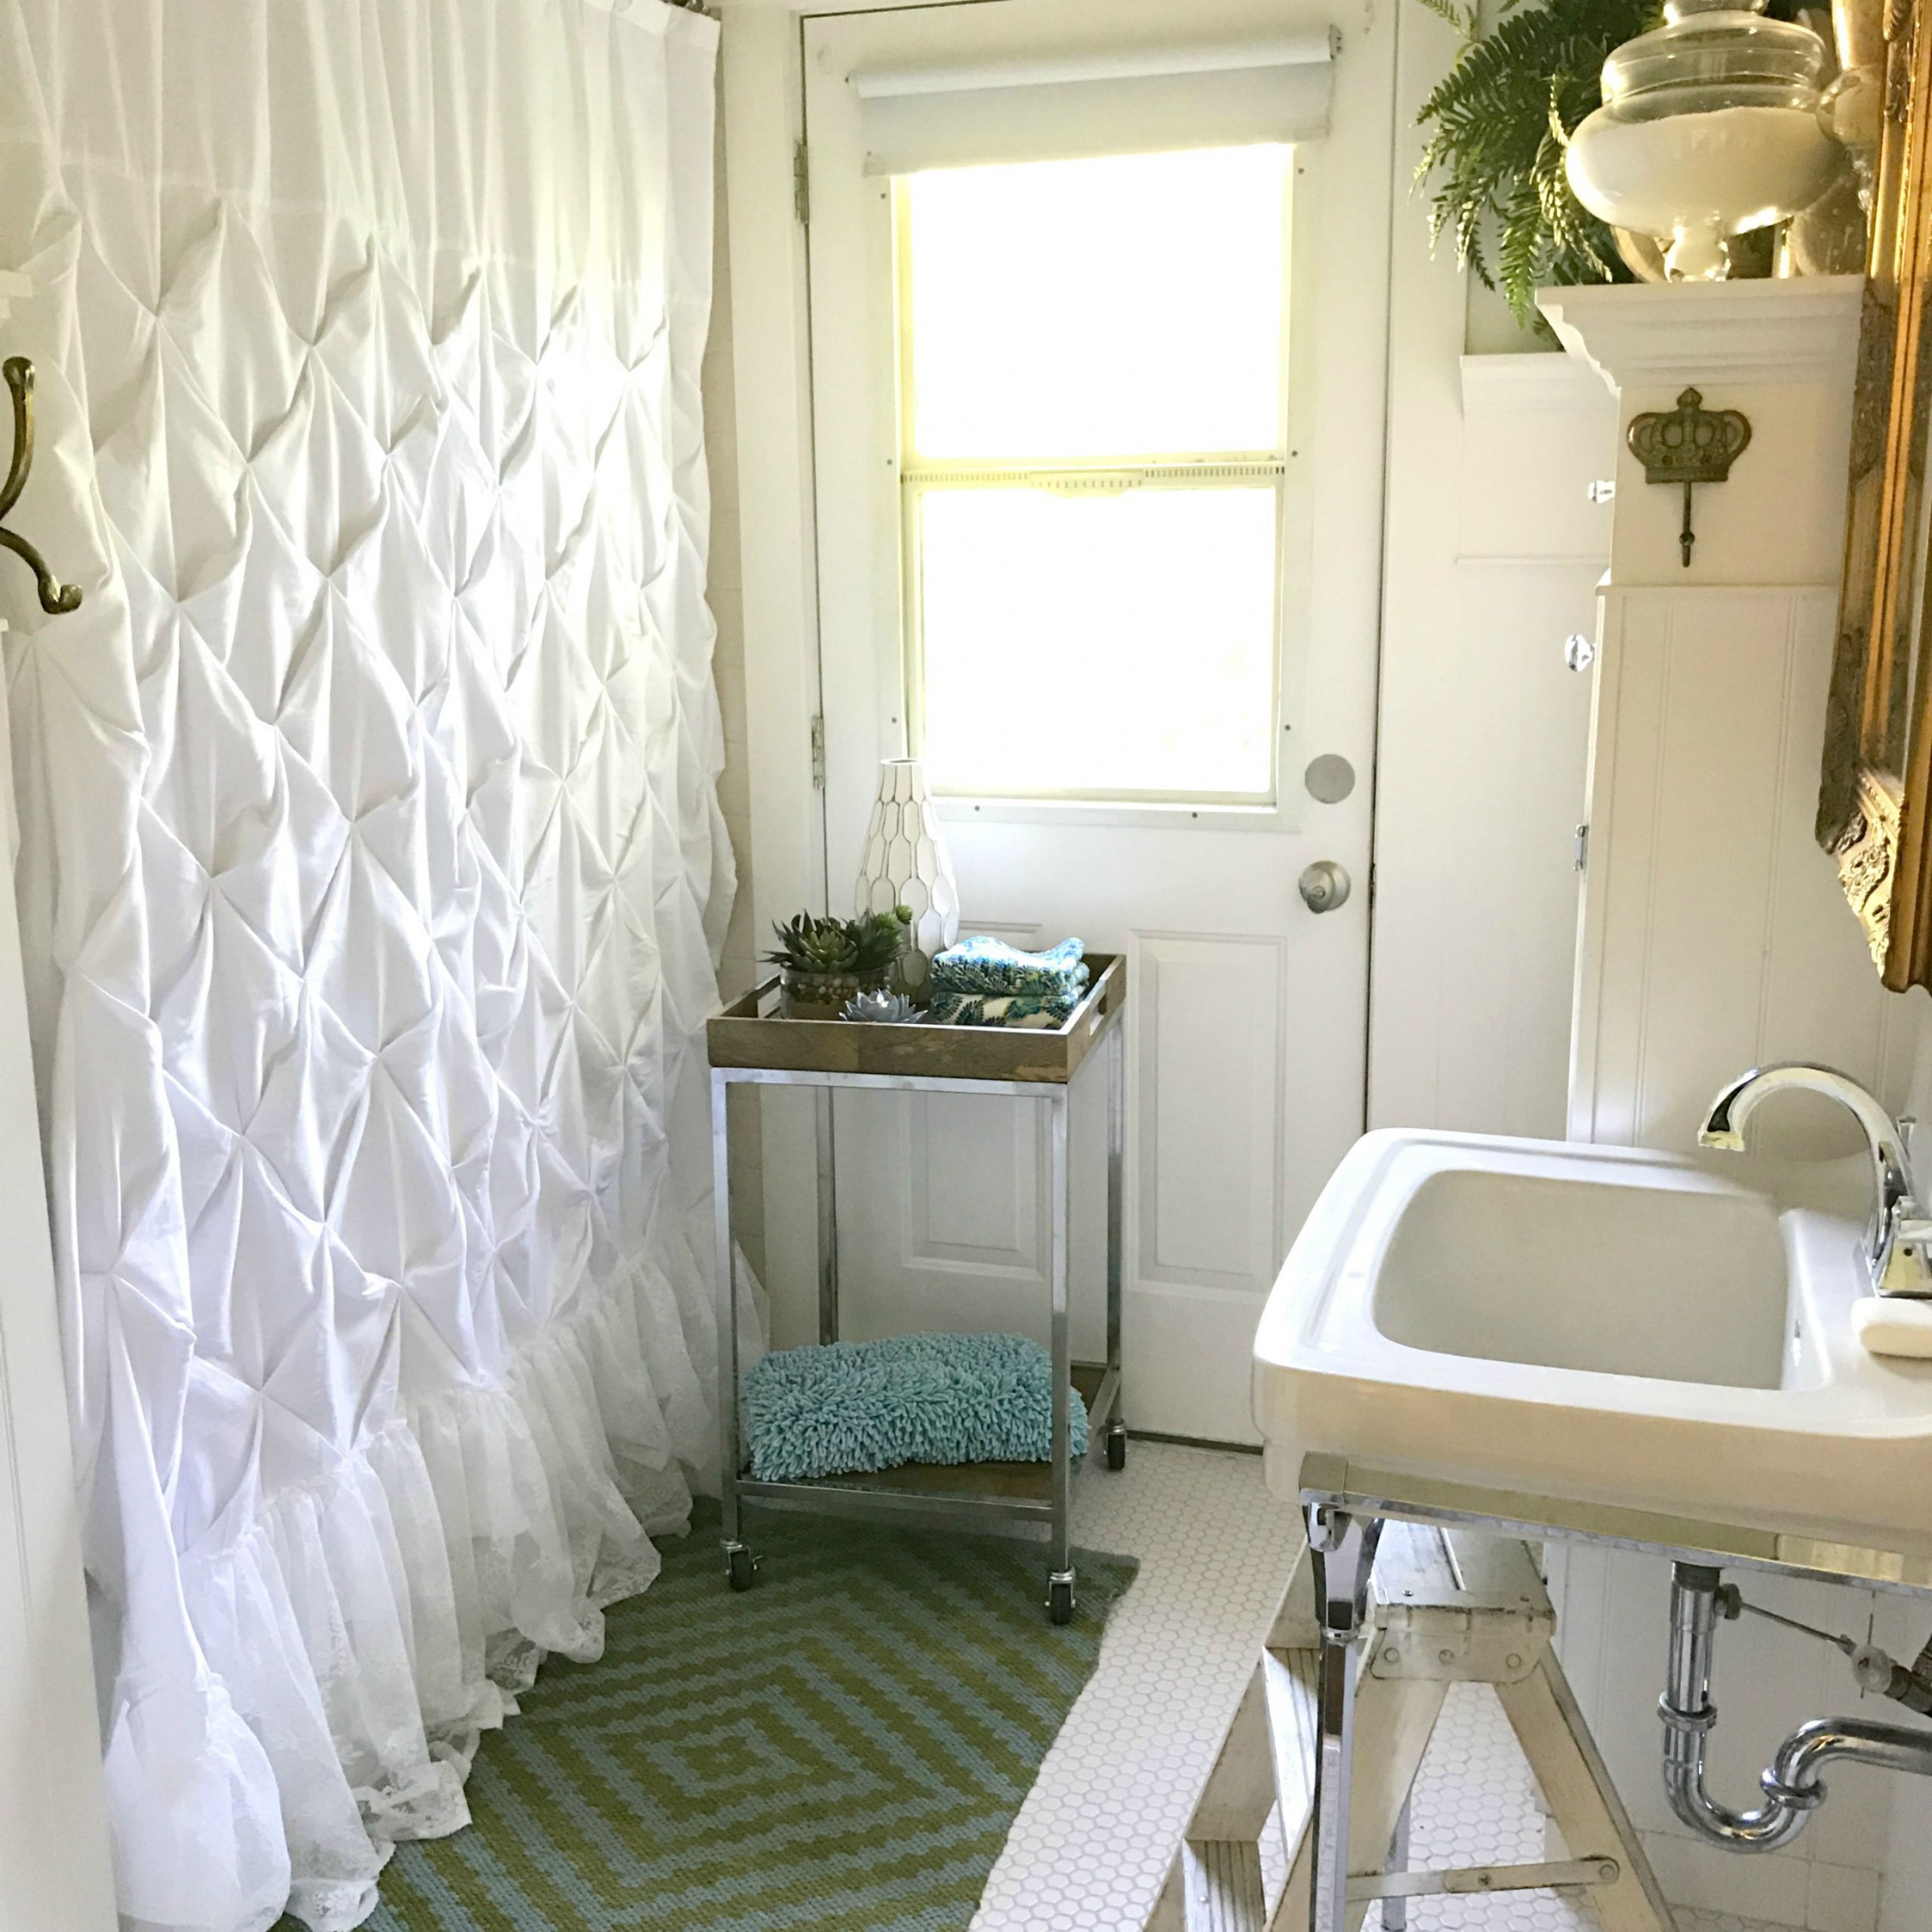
(1090, 1848)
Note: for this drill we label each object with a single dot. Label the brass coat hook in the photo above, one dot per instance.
(56, 598)
(1689, 444)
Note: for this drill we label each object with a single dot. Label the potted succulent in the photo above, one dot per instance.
(823, 963)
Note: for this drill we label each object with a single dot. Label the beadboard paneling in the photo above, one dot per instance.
(1714, 935)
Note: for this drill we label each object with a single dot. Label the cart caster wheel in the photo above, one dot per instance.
(741, 1566)
(1059, 1599)
(1117, 1447)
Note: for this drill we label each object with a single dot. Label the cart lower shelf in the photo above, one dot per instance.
(1008, 1498)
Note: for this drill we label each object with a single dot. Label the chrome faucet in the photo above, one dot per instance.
(1898, 1239)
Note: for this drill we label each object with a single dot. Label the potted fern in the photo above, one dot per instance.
(824, 962)
(1500, 120)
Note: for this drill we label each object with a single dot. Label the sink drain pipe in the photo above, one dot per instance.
(1793, 1786)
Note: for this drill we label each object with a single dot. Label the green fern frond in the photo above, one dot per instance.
(1499, 123)
(1465, 20)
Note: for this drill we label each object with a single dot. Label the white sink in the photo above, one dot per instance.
(1596, 1326)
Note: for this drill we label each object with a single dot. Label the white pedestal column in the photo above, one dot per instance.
(1713, 935)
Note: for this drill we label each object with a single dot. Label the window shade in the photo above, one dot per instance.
(1065, 107)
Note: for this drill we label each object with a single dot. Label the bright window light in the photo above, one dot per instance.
(1117, 645)
(1093, 370)
(1110, 308)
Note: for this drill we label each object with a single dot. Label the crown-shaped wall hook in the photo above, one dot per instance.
(1689, 444)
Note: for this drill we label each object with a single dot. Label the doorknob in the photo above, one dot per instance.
(1324, 885)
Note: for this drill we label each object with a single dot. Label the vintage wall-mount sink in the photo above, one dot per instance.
(1621, 1344)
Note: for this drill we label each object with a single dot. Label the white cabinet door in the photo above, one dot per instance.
(1247, 1010)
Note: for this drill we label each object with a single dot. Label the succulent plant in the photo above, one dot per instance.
(810, 944)
(881, 1009)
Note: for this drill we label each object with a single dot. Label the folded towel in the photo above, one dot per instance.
(1031, 1010)
(848, 1407)
(987, 965)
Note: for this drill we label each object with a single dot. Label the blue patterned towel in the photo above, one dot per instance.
(848, 1407)
(1041, 1012)
(984, 982)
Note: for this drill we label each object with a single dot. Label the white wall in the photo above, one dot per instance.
(54, 1874)
(54, 1868)
(1494, 554)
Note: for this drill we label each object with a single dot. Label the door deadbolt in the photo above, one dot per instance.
(1324, 885)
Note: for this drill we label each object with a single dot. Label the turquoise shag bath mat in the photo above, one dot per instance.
(852, 1407)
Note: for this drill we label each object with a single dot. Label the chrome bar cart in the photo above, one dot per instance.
(750, 1045)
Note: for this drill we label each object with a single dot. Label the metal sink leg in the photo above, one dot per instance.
(1342, 1548)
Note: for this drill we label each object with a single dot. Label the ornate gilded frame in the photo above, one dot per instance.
(1875, 804)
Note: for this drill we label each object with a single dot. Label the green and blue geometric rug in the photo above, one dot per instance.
(842, 1748)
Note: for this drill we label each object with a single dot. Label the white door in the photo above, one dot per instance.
(1098, 436)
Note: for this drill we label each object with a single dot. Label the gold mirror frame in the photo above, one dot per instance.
(1874, 804)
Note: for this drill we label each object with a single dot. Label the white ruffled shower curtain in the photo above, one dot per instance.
(370, 874)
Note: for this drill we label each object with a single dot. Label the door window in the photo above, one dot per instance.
(1093, 443)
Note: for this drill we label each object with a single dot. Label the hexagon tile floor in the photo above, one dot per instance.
(1089, 1850)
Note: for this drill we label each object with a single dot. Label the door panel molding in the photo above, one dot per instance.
(942, 1190)
(1209, 1196)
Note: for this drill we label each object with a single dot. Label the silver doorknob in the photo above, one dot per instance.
(1324, 885)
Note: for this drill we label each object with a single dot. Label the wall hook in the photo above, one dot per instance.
(56, 598)
(1687, 445)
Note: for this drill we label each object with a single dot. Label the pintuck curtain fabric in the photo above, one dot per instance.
(370, 872)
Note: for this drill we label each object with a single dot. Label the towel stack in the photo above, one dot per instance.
(986, 982)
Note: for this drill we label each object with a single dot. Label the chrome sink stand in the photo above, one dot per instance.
(1341, 1549)
(1347, 1504)
(1445, 1605)
(1377, 1623)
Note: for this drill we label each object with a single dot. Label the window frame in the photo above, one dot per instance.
(1163, 470)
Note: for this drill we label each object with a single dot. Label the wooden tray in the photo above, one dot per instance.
(746, 1035)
